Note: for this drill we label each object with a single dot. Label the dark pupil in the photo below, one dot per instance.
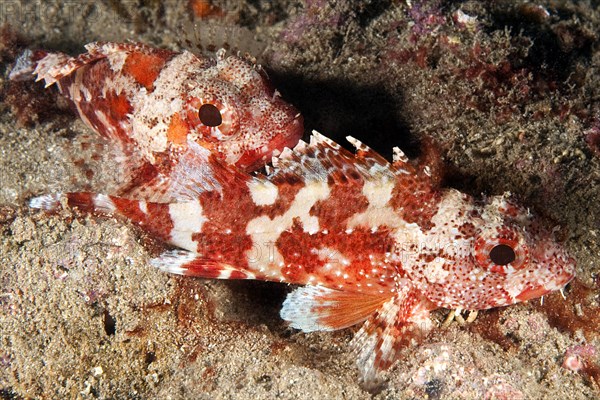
(502, 254)
(210, 115)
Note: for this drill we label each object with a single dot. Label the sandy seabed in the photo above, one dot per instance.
(510, 92)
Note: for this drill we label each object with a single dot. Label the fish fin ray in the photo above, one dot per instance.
(322, 159)
(430, 162)
(196, 171)
(314, 308)
(183, 262)
(55, 66)
(402, 319)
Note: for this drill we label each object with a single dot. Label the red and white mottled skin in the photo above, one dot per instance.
(147, 101)
(371, 241)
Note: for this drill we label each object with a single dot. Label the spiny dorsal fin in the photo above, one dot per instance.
(399, 156)
(55, 66)
(323, 159)
(208, 36)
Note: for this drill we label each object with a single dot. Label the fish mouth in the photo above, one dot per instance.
(557, 267)
(290, 134)
(534, 292)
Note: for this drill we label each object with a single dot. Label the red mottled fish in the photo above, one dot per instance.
(150, 102)
(372, 242)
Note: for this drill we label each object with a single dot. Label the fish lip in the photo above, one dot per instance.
(289, 134)
(543, 289)
(559, 276)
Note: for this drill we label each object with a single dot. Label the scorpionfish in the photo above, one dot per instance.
(369, 241)
(150, 102)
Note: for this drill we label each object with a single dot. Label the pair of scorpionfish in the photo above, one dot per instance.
(368, 241)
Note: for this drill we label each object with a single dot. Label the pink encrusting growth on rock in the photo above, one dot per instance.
(149, 103)
(372, 242)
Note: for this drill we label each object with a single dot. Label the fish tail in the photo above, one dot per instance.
(26, 64)
(153, 217)
(86, 202)
(175, 223)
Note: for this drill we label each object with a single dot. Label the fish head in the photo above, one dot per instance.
(235, 112)
(489, 254)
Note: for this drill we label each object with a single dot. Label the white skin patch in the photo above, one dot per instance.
(439, 238)
(119, 83)
(264, 193)
(86, 93)
(515, 288)
(173, 261)
(378, 193)
(143, 207)
(226, 273)
(379, 213)
(75, 90)
(188, 219)
(152, 112)
(435, 273)
(117, 60)
(265, 231)
(500, 301)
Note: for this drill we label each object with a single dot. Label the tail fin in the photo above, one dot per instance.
(87, 202)
(155, 218)
(26, 64)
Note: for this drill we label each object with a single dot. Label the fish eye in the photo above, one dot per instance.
(502, 254)
(501, 251)
(210, 115)
(213, 119)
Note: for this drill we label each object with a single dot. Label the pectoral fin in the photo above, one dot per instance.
(317, 308)
(401, 320)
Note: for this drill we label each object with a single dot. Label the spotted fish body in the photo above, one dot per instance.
(371, 242)
(150, 102)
